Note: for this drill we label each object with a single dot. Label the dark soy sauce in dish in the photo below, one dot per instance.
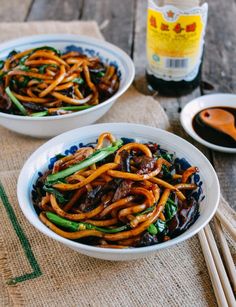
(212, 135)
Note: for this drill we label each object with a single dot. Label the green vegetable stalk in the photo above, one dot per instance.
(73, 108)
(39, 114)
(93, 158)
(16, 102)
(75, 226)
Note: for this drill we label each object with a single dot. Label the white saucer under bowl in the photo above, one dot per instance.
(199, 104)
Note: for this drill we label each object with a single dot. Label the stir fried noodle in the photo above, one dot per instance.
(117, 195)
(41, 82)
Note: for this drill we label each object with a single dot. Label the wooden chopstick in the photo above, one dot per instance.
(215, 279)
(220, 267)
(227, 225)
(229, 263)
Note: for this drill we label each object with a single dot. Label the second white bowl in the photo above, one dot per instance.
(50, 126)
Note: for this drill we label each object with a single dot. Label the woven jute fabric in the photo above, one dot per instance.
(38, 271)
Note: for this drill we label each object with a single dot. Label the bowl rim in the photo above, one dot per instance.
(22, 199)
(97, 41)
(206, 103)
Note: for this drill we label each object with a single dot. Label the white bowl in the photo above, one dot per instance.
(39, 161)
(199, 104)
(51, 126)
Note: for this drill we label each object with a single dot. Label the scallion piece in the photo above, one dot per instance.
(93, 158)
(39, 114)
(16, 101)
(74, 226)
(73, 108)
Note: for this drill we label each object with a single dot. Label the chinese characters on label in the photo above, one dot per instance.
(177, 27)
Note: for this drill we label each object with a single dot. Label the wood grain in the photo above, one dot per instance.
(220, 60)
(13, 10)
(55, 10)
(225, 165)
(116, 19)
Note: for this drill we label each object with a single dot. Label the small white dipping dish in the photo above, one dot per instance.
(199, 104)
(40, 159)
(49, 126)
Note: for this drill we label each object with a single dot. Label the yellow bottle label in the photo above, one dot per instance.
(175, 40)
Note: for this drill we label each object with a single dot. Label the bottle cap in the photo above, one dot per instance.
(181, 4)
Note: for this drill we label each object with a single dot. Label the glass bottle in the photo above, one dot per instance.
(175, 43)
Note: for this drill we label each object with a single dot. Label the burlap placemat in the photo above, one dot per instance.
(37, 271)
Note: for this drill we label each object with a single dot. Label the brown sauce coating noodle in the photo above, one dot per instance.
(43, 76)
(94, 190)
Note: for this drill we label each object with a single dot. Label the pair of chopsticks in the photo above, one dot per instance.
(219, 278)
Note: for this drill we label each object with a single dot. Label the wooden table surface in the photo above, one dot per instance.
(123, 22)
